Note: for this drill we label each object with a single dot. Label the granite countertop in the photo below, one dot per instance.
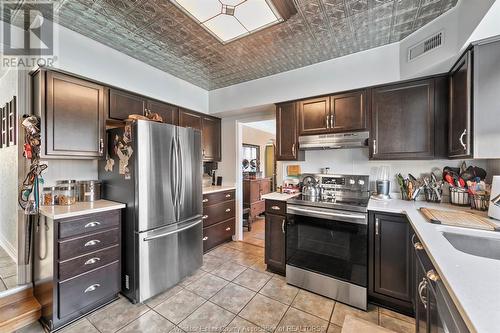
(279, 196)
(473, 282)
(79, 208)
(214, 189)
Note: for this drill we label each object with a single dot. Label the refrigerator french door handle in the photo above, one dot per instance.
(173, 176)
(181, 173)
(191, 225)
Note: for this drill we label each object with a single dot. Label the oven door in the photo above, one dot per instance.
(328, 242)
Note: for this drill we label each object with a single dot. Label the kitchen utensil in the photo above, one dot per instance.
(310, 187)
(494, 209)
(458, 219)
(479, 201)
(459, 196)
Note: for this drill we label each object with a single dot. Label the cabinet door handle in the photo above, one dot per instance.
(332, 121)
(92, 288)
(92, 224)
(418, 246)
(283, 226)
(377, 222)
(228, 210)
(205, 238)
(101, 146)
(421, 287)
(275, 208)
(204, 217)
(464, 133)
(205, 200)
(327, 121)
(374, 146)
(293, 150)
(228, 195)
(92, 242)
(92, 261)
(432, 275)
(228, 229)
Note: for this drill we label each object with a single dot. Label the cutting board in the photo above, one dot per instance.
(458, 219)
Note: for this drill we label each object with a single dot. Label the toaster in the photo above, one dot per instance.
(494, 210)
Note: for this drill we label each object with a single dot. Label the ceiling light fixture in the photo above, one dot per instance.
(228, 20)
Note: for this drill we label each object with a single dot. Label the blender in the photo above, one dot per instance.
(383, 184)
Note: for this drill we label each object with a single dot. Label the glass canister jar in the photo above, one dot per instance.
(49, 196)
(66, 194)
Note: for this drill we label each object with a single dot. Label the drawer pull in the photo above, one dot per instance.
(205, 200)
(228, 210)
(228, 195)
(275, 208)
(92, 242)
(228, 229)
(92, 224)
(205, 238)
(92, 288)
(204, 217)
(92, 261)
(418, 246)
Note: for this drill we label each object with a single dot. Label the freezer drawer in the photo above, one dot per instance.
(167, 255)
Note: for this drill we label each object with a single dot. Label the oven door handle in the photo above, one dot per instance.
(330, 214)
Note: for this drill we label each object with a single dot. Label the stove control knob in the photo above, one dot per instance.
(361, 182)
(352, 181)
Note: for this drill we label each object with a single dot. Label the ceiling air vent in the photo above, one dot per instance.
(425, 46)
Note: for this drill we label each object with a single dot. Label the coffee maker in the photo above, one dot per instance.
(383, 184)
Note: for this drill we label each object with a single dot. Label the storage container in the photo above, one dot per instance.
(66, 194)
(49, 196)
(89, 190)
(459, 196)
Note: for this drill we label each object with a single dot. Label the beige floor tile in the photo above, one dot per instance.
(314, 304)
(264, 311)
(252, 279)
(396, 315)
(341, 310)
(245, 259)
(179, 306)
(211, 262)
(8, 270)
(353, 324)
(116, 315)
(6, 261)
(396, 325)
(260, 266)
(334, 328)
(207, 318)
(81, 326)
(279, 290)
(192, 278)
(225, 253)
(35, 327)
(240, 325)
(233, 297)
(299, 321)
(255, 241)
(150, 322)
(2, 286)
(207, 286)
(158, 299)
(229, 270)
(10, 282)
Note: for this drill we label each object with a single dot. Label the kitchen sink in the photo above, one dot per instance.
(477, 246)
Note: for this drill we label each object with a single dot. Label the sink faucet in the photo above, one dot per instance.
(496, 200)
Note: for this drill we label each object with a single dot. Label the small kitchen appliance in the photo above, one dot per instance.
(494, 210)
(383, 184)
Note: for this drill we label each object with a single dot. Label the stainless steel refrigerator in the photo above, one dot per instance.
(156, 170)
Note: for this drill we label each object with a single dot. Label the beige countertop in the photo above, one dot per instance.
(279, 196)
(473, 282)
(79, 208)
(214, 189)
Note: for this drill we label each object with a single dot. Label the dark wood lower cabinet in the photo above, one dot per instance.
(390, 272)
(218, 218)
(275, 240)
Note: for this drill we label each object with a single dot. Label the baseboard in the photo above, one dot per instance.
(11, 250)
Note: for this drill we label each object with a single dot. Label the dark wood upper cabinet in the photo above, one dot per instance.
(348, 112)
(211, 139)
(122, 104)
(390, 272)
(314, 116)
(72, 112)
(404, 118)
(169, 113)
(460, 131)
(287, 146)
(190, 119)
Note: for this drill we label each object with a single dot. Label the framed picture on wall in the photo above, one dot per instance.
(12, 122)
(3, 127)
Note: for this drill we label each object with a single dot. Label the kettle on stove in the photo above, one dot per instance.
(310, 187)
(494, 210)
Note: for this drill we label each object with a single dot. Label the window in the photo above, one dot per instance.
(251, 158)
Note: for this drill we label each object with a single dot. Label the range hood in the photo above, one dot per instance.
(334, 141)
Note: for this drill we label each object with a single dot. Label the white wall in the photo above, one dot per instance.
(489, 25)
(8, 175)
(355, 161)
(260, 138)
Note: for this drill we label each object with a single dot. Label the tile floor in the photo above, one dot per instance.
(8, 271)
(231, 293)
(256, 236)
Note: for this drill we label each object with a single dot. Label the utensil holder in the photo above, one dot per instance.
(480, 202)
(431, 195)
(459, 196)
